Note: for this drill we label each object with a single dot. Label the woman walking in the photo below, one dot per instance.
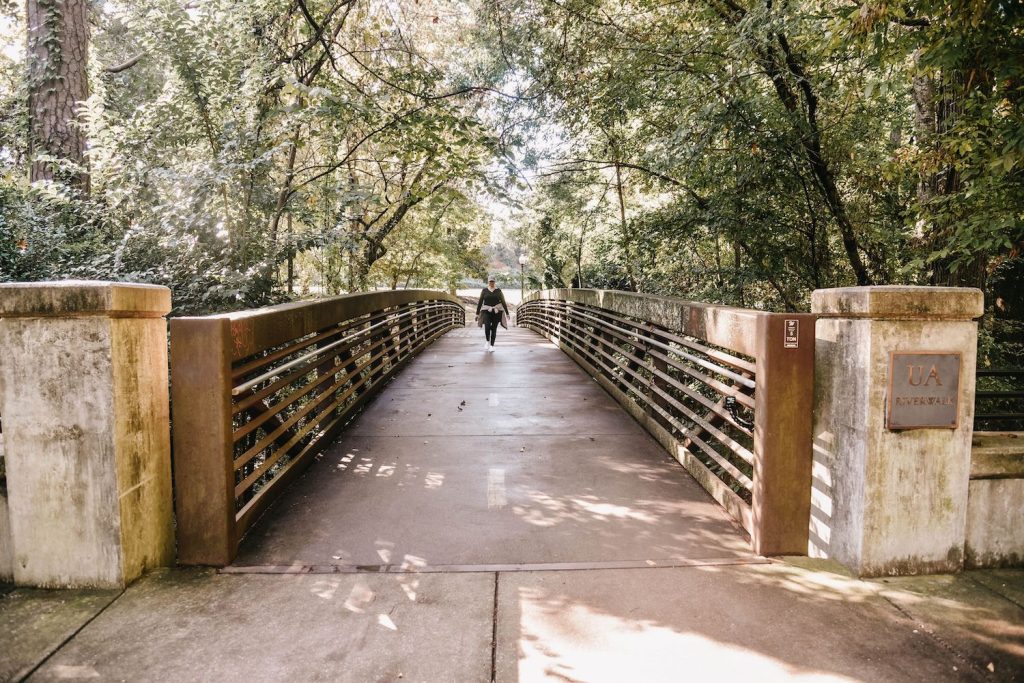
(491, 310)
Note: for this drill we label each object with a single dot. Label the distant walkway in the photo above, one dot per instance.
(499, 517)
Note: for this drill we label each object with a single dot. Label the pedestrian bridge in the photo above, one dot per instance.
(372, 433)
(597, 500)
(475, 460)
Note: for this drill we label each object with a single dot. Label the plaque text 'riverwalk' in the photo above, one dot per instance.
(924, 390)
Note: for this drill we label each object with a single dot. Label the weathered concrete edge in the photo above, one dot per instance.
(898, 302)
(387, 298)
(257, 329)
(6, 546)
(997, 455)
(726, 326)
(995, 502)
(83, 298)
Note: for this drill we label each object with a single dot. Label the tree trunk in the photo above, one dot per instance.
(57, 55)
(579, 256)
(737, 262)
(291, 258)
(285, 192)
(937, 104)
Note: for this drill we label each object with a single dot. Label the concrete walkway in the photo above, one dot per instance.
(498, 517)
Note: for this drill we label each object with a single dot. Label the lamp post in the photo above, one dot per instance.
(522, 278)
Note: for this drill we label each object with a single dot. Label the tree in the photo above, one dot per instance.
(58, 53)
(227, 141)
(760, 149)
(965, 60)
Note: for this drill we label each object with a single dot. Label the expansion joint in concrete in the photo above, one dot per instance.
(470, 436)
(993, 591)
(494, 630)
(490, 568)
(931, 635)
(71, 636)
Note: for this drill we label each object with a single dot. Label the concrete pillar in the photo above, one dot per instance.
(890, 499)
(84, 404)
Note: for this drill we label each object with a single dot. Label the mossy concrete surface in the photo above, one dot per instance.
(35, 623)
(978, 615)
(83, 393)
(888, 501)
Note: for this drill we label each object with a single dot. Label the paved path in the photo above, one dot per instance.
(514, 457)
(498, 517)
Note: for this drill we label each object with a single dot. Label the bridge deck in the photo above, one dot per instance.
(514, 458)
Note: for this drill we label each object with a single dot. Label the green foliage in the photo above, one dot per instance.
(227, 140)
(741, 152)
(966, 62)
(749, 152)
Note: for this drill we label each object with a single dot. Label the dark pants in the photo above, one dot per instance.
(491, 321)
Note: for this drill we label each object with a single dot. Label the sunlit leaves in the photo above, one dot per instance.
(247, 135)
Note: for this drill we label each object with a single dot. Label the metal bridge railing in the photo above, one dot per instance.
(256, 394)
(999, 400)
(727, 391)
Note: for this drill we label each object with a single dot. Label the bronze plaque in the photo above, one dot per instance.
(924, 390)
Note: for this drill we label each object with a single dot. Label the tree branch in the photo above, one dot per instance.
(124, 66)
(701, 202)
(317, 30)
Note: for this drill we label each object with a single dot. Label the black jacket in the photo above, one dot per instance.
(489, 298)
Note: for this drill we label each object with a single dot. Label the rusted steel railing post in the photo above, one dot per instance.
(394, 341)
(203, 467)
(781, 496)
(634, 366)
